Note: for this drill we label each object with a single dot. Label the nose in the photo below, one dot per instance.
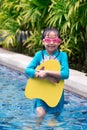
(51, 42)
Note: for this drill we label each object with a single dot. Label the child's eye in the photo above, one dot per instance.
(47, 40)
(54, 40)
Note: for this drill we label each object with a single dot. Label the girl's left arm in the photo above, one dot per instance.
(64, 72)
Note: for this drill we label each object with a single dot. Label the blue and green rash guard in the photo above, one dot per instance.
(40, 57)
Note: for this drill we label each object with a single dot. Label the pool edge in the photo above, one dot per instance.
(77, 82)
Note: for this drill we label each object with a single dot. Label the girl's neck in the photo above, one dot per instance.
(51, 53)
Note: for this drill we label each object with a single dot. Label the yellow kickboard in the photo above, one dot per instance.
(42, 88)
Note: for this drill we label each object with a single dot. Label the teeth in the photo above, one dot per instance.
(51, 46)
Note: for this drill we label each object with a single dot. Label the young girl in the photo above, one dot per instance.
(51, 41)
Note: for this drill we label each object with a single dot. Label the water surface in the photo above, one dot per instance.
(16, 112)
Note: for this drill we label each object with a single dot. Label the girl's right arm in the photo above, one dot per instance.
(30, 69)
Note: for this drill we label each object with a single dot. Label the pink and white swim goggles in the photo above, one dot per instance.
(54, 40)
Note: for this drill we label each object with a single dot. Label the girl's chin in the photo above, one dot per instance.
(50, 51)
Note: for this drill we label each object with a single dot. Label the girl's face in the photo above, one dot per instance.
(51, 42)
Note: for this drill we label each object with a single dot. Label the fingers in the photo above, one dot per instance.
(42, 74)
(51, 79)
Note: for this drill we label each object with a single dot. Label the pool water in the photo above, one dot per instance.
(16, 111)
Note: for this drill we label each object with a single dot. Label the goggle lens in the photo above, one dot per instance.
(54, 40)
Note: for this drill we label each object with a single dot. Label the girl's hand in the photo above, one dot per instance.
(42, 74)
(52, 79)
(37, 74)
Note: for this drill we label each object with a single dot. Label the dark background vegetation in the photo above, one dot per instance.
(22, 21)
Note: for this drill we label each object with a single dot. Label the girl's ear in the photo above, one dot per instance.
(59, 44)
(43, 43)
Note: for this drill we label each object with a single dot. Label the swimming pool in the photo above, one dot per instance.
(16, 111)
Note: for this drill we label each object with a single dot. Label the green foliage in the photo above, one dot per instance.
(33, 43)
(69, 16)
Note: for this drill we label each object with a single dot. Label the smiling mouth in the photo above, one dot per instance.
(51, 46)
